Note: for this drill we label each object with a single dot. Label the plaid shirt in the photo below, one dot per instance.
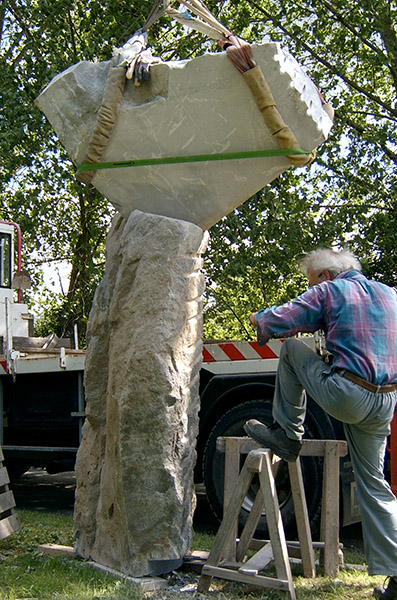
(358, 317)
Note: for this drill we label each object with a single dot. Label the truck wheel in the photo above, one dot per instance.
(231, 424)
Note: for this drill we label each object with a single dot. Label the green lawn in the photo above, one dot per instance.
(27, 573)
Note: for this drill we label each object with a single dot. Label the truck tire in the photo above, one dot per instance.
(231, 424)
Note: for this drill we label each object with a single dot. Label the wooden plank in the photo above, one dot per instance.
(232, 470)
(330, 509)
(249, 527)
(253, 460)
(270, 582)
(254, 516)
(258, 544)
(9, 525)
(259, 561)
(57, 549)
(146, 584)
(275, 525)
(4, 479)
(309, 447)
(7, 501)
(302, 518)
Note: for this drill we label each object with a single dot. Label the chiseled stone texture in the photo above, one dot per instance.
(194, 107)
(135, 494)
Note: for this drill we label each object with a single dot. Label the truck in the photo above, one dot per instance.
(42, 402)
(41, 379)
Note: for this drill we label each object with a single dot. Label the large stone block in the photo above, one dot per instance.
(135, 493)
(194, 107)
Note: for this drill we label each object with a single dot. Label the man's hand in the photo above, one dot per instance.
(252, 319)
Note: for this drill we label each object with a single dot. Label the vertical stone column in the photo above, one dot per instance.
(135, 493)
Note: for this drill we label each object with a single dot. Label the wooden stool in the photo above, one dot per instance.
(331, 450)
(9, 522)
(230, 555)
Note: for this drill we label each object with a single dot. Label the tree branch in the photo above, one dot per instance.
(17, 15)
(389, 38)
(2, 15)
(222, 300)
(343, 21)
(350, 82)
(353, 179)
(28, 34)
(71, 27)
(361, 130)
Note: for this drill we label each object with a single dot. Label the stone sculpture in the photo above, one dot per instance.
(135, 495)
(196, 107)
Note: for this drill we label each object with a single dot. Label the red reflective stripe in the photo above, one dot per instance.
(231, 351)
(207, 356)
(3, 363)
(263, 351)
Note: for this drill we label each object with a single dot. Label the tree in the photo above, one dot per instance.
(61, 219)
(347, 196)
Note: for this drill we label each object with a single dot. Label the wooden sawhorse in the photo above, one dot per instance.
(332, 451)
(222, 564)
(259, 461)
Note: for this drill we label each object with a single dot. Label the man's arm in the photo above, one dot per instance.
(302, 315)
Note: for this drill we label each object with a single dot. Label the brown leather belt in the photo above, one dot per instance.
(378, 389)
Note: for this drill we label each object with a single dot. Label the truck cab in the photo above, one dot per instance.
(16, 312)
(41, 379)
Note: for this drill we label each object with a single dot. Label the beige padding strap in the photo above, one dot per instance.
(274, 121)
(106, 119)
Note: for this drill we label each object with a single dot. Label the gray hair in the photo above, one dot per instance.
(326, 259)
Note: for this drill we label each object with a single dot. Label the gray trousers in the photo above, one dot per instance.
(366, 417)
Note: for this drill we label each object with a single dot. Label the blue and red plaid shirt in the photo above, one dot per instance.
(358, 317)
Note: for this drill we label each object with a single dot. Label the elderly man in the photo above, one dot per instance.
(358, 387)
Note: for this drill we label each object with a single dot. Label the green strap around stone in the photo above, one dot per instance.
(171, 160)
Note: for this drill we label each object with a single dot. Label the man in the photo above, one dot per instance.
(359, 319)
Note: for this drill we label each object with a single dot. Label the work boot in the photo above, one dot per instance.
(389, 592)
(275, 438)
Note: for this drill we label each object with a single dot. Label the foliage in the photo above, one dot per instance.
(348, 196)
(252, 252)
(61, 219)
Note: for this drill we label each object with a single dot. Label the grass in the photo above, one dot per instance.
(26, 573)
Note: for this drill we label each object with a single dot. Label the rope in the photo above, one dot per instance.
(266, 104)
(172, 160)
(205, 23)
(154, 15)
(240, 54)
(106, 119)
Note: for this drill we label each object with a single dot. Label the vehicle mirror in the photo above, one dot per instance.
(21, 281)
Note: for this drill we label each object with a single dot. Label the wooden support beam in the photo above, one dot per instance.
(9, 521)
(331, 450)
(221, 563)
(309, 447)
